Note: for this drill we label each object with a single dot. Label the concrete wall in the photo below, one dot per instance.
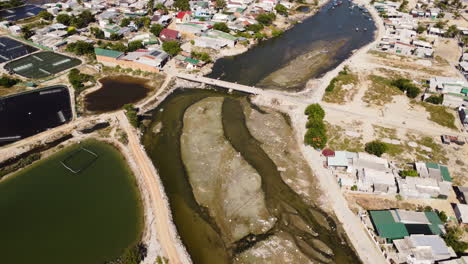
(112, 62)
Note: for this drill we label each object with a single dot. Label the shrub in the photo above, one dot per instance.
(80, 48)
(132, 114)
(266, 19)
(443, 217)
(7, 81)
(409, 173)
(221, 27)
(171, 47)
(76, 79)
(354, 188)
(435, 99)
(315, 111)
(453, 239)
(281, 9)
(156, 29)
(376, 148)
(407, 86)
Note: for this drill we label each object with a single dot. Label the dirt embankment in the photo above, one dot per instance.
(221, 179)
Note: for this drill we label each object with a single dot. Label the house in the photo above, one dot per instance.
(448, 85)
(421, 249)
(375, 181)
(461, 260)
(144, 60)
(436, 31)
(463, 112)
(15, 30)
(461, 212)
(183, 17)
(404, 48)
(190, 30)
(169, 35)
(341, 159)
(396, 223)
(454, 100)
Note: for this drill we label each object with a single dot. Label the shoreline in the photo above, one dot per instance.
(315, 88)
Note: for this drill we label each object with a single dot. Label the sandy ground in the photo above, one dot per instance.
(221, 179)
(166, 230)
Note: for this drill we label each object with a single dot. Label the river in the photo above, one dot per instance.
(306, 51)
(199, 232)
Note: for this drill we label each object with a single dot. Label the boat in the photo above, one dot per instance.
(357, 29)
(365, 29)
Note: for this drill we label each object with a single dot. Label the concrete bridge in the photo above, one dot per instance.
(243, 88)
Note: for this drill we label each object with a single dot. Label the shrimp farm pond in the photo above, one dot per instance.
(87, 213)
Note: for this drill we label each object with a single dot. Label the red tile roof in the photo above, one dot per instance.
(181, 15)
(169, 34)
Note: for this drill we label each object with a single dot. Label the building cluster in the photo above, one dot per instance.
(366, 173)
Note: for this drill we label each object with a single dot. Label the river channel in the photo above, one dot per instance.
(199, 232)
(308, 50)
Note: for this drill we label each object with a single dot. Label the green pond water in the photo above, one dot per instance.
(48, 215)
(198, 231)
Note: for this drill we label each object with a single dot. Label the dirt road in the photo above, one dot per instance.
(166, 231)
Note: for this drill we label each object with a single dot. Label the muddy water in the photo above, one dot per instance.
(199, 232)
(317, 34)
(116, 92)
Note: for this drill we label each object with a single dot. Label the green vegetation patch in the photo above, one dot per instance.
(338, 140)
(440, 115)
(336, 92)
(316, 135)
(380, 91)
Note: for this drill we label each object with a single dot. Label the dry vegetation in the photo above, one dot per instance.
(380, 92)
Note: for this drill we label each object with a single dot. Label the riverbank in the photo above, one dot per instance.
(315, 88)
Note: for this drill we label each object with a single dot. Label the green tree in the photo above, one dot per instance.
(98, 33)
(220, 4)
(132, 114)
(441, 24)
(182, 5)
(266, 19)
(281, 9)
(435, 99)
(80, 48)
(134, 45)
(453, 239)
(221, 27)
(115, 36)
(443, 216)
(125, 22)
(315, 111)
(63, 19)
(156, 29)
(161, 6)
(452, 31)
(403, 6)
(254, 27)
(421, 28)
(407, 86)
(7, 81)
(46, 15)
(376, 148)
(150, 6)
(26, 32)
(315, 136)
(77, 80)
(171, 47)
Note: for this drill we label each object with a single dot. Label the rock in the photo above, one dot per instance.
(412, 144)
(426, 148)
(322, 247)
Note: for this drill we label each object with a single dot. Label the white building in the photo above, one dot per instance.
(461, 211)
(422, 249)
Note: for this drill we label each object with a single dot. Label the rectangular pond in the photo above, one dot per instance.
(22, 12)
(11, 49)
(29, 113)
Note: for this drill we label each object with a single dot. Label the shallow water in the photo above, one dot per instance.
(198, 231)
(116, 91)
(329, 25)
(51, 216)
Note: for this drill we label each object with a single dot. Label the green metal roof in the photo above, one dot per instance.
(435, 222)
(445, 173)
(464, 91)
(192, 61)
(431, 165)
(107, 53)
(386, 225)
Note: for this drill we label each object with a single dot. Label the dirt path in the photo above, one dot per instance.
(166, 231)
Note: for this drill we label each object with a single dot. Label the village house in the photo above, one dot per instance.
(420, 249)
(169, 35)
(144, 60)
(448, 85)
(191, 30)
(461, 212)
(183, 17)
(461, 260)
